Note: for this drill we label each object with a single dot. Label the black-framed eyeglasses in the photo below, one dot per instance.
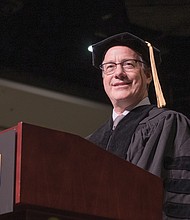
(127, 65)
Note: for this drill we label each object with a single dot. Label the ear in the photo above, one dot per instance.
(148, 74)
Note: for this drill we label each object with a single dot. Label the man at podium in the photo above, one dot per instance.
(151, 137)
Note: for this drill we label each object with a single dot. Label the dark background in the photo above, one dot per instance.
(44, 43)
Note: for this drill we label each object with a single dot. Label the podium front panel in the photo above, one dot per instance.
(7, 170)
(62, 172)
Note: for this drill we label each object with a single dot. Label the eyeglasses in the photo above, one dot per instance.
(127, 65)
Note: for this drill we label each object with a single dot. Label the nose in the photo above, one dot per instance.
(119, 73)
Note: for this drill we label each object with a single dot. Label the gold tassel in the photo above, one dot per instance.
(159, 94)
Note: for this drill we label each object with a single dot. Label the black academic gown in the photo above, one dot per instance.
(157, 140)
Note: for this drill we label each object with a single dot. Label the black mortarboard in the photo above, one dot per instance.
(149, 54)
(123, 39)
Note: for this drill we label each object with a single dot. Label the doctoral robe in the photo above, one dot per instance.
(157, 140)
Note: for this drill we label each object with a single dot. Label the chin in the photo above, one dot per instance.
(121, 96)
(120, 99)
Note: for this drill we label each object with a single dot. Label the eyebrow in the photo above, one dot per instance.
(120, 60)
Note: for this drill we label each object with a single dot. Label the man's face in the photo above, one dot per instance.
(125, 88)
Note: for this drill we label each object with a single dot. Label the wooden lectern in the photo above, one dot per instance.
(53, 175)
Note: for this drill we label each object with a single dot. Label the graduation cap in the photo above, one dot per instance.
(149, 54)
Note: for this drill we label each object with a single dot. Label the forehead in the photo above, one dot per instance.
(120, 52)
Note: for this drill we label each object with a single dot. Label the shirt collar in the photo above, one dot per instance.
(145, 101)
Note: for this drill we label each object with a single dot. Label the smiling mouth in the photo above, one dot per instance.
(121, 84)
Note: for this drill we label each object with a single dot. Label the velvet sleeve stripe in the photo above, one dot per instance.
(178, 163)
(177, 210)
(181, 186)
